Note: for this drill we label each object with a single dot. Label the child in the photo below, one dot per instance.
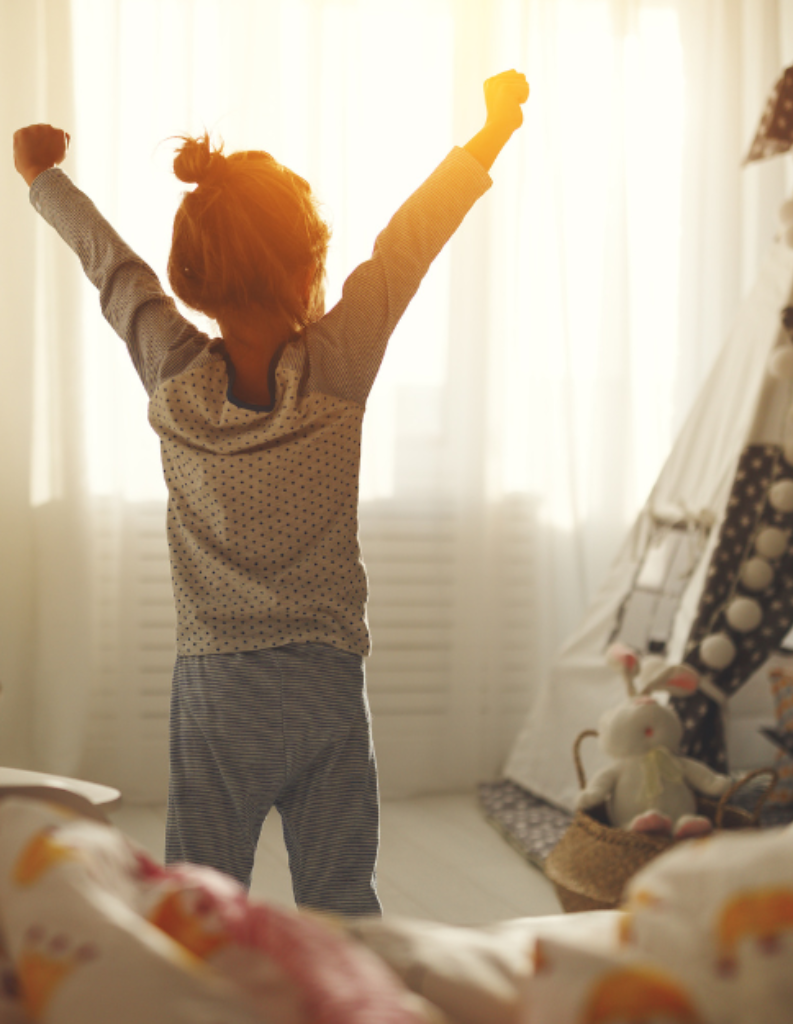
(260, 435)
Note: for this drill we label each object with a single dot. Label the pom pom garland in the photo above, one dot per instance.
(717, 651)
(757, 574)
(771, 542)
(781, 496)
(744, 614)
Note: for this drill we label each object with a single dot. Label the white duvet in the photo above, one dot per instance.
(94, 931)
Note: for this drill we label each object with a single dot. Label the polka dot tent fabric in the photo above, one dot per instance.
(775, 131)
(751, 520)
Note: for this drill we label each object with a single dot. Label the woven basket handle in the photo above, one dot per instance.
(728, 794)
(577, 755)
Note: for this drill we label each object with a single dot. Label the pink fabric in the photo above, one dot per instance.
(340, 982)
(97, 931)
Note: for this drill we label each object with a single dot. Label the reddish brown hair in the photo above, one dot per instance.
(248, 234)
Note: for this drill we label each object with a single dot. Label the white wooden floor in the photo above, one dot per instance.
(439, 860)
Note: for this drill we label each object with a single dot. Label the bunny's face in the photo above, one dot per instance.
(638, 726)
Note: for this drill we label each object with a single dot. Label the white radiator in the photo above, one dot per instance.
(451, 613)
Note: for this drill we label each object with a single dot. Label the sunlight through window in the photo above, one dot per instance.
(599, 203)
(591, 188)
(361, 128)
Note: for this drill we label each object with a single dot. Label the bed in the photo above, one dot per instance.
(95, 930)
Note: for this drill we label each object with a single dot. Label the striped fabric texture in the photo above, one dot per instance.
(287, 727)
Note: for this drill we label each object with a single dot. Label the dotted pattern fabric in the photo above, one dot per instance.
(748, 511)
(263, 503)
(775, 132)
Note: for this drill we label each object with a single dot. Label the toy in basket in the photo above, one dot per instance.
(647, 798)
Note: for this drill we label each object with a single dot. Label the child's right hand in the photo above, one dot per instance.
(504, 95)
(37, 148)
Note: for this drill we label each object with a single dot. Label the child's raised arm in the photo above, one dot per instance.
(37, 148)
(160, 340)
(504, 95)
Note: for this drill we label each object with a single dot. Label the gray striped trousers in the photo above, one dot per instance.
(290, 727)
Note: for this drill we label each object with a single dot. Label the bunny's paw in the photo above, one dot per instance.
(651, 821)
(691, 825)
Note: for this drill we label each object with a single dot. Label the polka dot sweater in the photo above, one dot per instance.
(263, 502)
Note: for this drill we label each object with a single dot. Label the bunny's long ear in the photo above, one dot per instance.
(679, 680)
(628, 661)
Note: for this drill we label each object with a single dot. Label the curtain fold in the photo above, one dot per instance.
(17, 263)
(527, 400)
(45, 589)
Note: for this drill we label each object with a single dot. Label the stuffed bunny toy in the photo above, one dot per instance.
(650, 787)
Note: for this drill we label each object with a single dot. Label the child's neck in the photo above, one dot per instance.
(251, 338)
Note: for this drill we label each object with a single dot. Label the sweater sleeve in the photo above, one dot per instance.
(347, 345)
(161, 342)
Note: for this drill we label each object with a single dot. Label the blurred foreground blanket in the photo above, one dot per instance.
(95, 932)
(705, 936)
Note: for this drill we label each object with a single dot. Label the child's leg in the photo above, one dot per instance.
(227, 758)
(329, 806)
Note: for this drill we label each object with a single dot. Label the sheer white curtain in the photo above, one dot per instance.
(527, 400)
(45, 637)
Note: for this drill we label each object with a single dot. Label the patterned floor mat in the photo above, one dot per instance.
(533, 826)
(528, 823)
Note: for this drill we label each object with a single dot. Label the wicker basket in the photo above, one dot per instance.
(593, 861)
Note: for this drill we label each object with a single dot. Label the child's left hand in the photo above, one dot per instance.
(37, 148)
(504, 96)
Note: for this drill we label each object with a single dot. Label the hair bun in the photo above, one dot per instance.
(196, 160)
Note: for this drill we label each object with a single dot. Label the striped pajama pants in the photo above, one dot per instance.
(290, 727)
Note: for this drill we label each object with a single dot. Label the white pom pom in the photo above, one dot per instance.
(744, 614)
(786, 212)
(781, 495)
(780, 362)
(757, 574)
(717, 650)
(771, 542)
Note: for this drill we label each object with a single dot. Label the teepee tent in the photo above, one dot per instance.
(706, 574)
